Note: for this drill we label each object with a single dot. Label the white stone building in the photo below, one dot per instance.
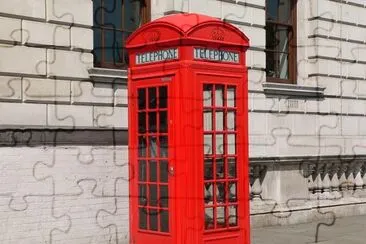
(63, 112)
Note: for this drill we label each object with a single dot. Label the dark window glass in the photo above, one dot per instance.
(163, 121)
(164, 171)
(163, 97)
(142, 122)
(152, 97)
(113, 21)
(209, 169)
(163, 146)
(153, 171)
(164, 221)
(164, 196)
(142, 146)
(153, 220)
(142, 170)
(152, 122)
(153, 195)
(143, 218)
(142, 98)
(142, 195)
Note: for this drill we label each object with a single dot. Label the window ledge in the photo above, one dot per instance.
(280, 89)
(108, 75)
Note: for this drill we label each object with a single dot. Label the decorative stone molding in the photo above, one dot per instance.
(114, 76)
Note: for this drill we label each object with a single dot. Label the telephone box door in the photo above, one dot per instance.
(223, 135)
(153, 181)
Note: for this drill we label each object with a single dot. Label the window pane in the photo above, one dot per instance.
(230, 123)
(219, 144)
(272, 8)
(142, 170)
(232, 167)
(152, 122)
(98, 47)
(219, 96)
(142, 146)
(164, 221)
(109, 45)
(220, 217)
(163, 121)
(142, 122)
(207, 144)
(132, 14)
(153, 152)
(219, 121)
(207, 95)
(208, 175)
(231, 147)
(112, 14)
(153, 171)
(152, 97)
(284, 11)
(233, 215)
(164, 171)
(164, 196)
(208, 193)
(232, 191)
(143, 218)
(220, 193)
(230, 97)
(153, 219)
(163, 146)
(207, 120)
(142, 195)
(153, 195)
(142, 98)
(209, 218)
(163, 97)
(220, 168)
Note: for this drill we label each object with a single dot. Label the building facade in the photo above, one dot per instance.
(63, 104)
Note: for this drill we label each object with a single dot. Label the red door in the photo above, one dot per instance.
(223, 158)
(151, 133)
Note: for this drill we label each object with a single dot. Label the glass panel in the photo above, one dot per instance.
(142, 98)
(112, 14)
(209, 218)
(142, 195)
(230, 123)
(208, 169)
(272, 8)
(220, 168)
(109, 45)
(207, 95)
(208, 144)
(164, 221)
(220, 193)
(153, 220)
(153, 195)
(163, 146)
(284, 11)
(219, 144)
(142, 170)
(208, 193)
(207, 120)
(153, 171)
(233, 215)
(143, 218)
(163, 121)
(163, 97)
(164, 171)
(219, 96)
(152, 122)
(117, 48)
(97, 12)
(220, 217)
(153, 153)
(142, 146)
(232, 191)
(231, 140)
(232, 167)
(164, 196)
(219, 121)
(98, 46)
(132, 14)
(152, 97)
(230, 102)
(142, 122)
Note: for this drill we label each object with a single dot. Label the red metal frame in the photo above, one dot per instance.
(185, 79)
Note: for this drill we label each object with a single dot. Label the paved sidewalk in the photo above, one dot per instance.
(348, 230)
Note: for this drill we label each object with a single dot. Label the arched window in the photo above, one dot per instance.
(114, 21)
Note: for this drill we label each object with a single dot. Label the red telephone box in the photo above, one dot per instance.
(188, 132)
